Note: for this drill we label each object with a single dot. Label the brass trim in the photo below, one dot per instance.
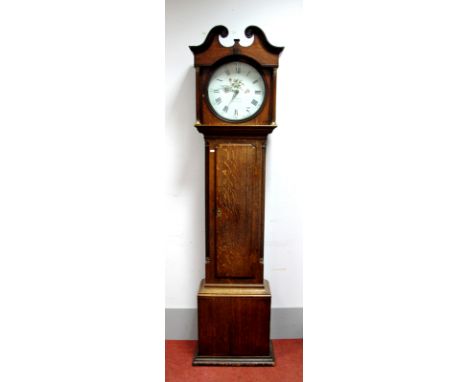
(232, 125)
(237, 290)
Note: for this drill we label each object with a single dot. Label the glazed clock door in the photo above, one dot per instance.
(236, 91)
(236, 195)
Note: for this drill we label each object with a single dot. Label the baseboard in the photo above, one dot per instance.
(181, 324)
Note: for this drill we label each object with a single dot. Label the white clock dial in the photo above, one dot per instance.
(236, 91)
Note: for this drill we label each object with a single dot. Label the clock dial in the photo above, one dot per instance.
(236, 91)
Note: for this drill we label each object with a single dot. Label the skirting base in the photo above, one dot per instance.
(268, 360)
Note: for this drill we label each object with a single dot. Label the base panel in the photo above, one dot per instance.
(268, 360)
(234, 324)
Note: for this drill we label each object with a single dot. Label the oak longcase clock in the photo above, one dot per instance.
(235, 111)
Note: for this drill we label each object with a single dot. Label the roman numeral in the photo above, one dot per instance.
(216, 91)
(227, 72)
(236, 113)
(254, 102)
(218, 100)
(258, 92)
(219, 79)
(255, 81)
(237, 68)
(225, 109)
(248, 73)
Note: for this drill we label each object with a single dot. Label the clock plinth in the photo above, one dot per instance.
(236, 89)
(238, 332)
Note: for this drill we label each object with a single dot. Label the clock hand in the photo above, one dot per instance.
(236, 92)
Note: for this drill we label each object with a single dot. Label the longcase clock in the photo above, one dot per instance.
(235, 112)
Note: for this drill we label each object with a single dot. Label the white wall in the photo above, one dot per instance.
(187, 23)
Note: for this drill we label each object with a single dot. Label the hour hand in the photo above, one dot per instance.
(236, 92)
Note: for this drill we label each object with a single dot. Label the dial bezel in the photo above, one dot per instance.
(230, 60)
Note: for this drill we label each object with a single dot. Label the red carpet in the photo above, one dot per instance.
(288, 354)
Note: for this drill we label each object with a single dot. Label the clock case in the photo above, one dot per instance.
(234, 300)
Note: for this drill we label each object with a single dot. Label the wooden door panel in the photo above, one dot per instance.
(236, 199)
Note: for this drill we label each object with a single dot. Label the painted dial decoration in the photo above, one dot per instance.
(236, 91)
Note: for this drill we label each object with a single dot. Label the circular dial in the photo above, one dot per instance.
(236, 91)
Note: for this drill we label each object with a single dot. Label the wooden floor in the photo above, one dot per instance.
(288, 367)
